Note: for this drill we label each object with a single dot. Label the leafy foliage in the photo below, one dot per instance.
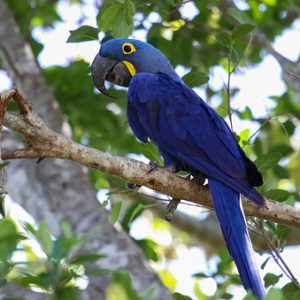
(216, 35)
(54, 265)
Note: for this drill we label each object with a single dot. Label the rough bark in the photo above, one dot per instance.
(56, 189)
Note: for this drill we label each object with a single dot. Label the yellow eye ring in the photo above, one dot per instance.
(128, 48)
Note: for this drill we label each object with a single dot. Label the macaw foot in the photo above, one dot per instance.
(199, 178)
(154, 165)
(132, 186)
(172, 206)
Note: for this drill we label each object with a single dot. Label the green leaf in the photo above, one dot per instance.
(240, 16)
(83, 34)
(104, 203)
(102, 183)
(44, 238)
(108, 16)
(249, 296)
(28, 280)
(241, 30)
(9, 238)
(224, 38)
(67, 293)
(178, 296)
(66, 229)
(2, 205)
(282, 232)
(115, 212)
(274, 294)
(3, 165)
(150, 151)
(244, 137)
(278, 194)
(136, 210)
(62, 247)
(124, 280)
(118, 18)
(195, 78)
(201, 275)
(148, 247)
(267, 161)
(271, 279)
(86, 258)
(291, 291)
(281, 172)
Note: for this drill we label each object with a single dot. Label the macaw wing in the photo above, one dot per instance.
(177, 120)
(173, 116)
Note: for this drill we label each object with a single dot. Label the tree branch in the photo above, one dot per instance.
(44, 142)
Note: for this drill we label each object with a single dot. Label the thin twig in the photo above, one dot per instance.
(276, 255)
(260, 127)
(228, 93)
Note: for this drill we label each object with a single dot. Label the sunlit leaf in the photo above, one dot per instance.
(195, 78)
(224, 38)
(178, 296)
(282, 232)
(67, 229)
(291, 291)
(168, 279)
(83, 34)
(271, 279)
(67, 293)
(136, 211)
(115, 212)
(117, 18)
(44, 238)
(267, 161)
(148, 247)
(151, 152)
(241, 30)
(240, 16)
(86, 258)
(278, 194)
(102, 183)
(9, 238)
(274, 294)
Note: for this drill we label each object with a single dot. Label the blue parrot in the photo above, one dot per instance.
(190, 136)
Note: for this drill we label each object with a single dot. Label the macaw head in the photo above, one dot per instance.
(120, 59)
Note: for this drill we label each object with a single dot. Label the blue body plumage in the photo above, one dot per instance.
(191, 136)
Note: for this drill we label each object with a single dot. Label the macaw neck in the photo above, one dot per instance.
(172, 73)
(168, 70)
(157, 63)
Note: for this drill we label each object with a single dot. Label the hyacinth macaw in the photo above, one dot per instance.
(190, 136)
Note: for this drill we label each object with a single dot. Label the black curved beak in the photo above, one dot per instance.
(105, 68)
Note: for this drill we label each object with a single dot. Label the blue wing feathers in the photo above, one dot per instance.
(177, 120)
(191, 135)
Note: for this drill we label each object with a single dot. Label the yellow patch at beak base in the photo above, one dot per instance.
(130, 67)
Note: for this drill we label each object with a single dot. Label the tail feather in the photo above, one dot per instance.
(233, 224)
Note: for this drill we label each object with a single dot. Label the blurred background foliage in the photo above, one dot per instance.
(229, 34)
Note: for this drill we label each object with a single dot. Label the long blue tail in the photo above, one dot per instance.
(233, 224)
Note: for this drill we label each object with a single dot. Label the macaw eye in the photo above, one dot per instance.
(128, 48)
